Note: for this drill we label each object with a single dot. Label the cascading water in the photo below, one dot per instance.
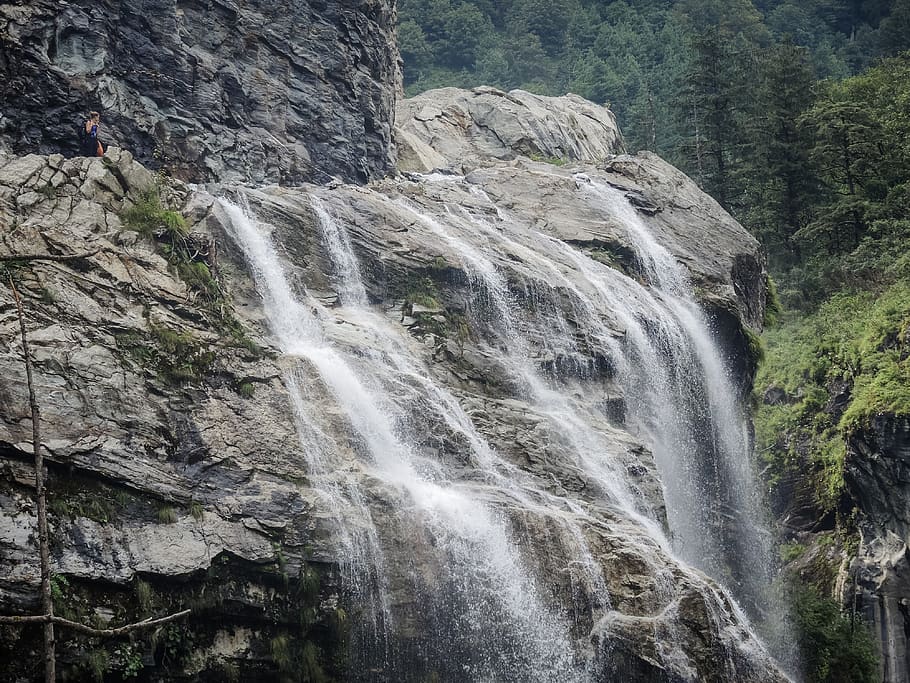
(687, 403)
(722, 472)
(426, 507)
(488, 602)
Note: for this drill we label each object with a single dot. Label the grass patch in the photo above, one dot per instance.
(196, 511)
(553, 161)
(834, 370)
(144, 595)
(148, 217)
(167, 515)
(422, 291)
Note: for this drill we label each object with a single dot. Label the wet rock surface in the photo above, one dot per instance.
(877, 473)
(256, 91)
(203, 481)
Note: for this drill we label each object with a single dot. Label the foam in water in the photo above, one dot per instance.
(492, 600)
(466, 520)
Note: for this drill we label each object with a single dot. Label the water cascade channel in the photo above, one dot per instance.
(467, 563)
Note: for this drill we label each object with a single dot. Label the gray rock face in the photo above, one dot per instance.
(257, 91)
(184, 480)
(877, 475)
(191, 449)
(453, 128)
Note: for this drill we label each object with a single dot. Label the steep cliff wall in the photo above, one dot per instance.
(182, 471)
(261, 91)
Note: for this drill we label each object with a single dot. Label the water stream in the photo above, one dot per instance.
(427, 507)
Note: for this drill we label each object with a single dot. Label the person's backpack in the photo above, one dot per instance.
(82, 134)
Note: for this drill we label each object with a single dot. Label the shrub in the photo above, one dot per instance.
(148, 217)
(834, 648)
(167, 515)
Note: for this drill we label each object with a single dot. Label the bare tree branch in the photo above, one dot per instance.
(48, 618)
(47, 257)
(151, 622)
(46, 598)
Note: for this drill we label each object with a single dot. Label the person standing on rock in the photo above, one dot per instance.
(91, 145)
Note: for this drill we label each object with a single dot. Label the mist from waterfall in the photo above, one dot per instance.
(466, 515)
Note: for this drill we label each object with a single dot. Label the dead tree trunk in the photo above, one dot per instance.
(47, 601)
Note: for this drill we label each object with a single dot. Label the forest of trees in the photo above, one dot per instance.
(795, 116)
(749, 98)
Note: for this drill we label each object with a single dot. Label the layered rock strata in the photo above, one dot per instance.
(177, 471)
(261, 91)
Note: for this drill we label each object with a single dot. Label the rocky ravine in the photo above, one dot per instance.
(176, 469)
(258, 91)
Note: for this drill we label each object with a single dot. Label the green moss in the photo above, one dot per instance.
(791, 551)
(773, 309)
(246, 389)
(423, 291)
(757, 349)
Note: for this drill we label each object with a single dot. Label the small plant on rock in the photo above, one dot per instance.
(167, 515)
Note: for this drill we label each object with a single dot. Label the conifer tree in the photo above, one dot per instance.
(777, 172)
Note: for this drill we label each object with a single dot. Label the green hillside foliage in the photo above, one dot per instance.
(633, 54)
(832, 647)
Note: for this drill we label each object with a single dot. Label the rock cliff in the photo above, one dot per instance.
(877, 581)
(261, 91)
(199, 459)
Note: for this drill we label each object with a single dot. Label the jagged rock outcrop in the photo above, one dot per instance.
(212, 91)
(182, 471)
(450, 127)
(877, 472)
(169, 434)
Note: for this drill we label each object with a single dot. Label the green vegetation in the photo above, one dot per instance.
(149, 217)
(196, 511)
(177, 357)
(60, 586)
(854, 346)
(422, 291)
(167, 515)
(666, 69)
(97, 663)
(188, 258)
(833, 647)
(144, 595)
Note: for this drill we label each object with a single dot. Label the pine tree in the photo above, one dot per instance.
(782, 186)
(711, 103)
(847, 150)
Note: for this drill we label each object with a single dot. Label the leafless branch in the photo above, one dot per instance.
(47, 257)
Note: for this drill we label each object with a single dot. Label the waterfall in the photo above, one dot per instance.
(724, 473)
(490, 610)
(439, 533)
(687, 403)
